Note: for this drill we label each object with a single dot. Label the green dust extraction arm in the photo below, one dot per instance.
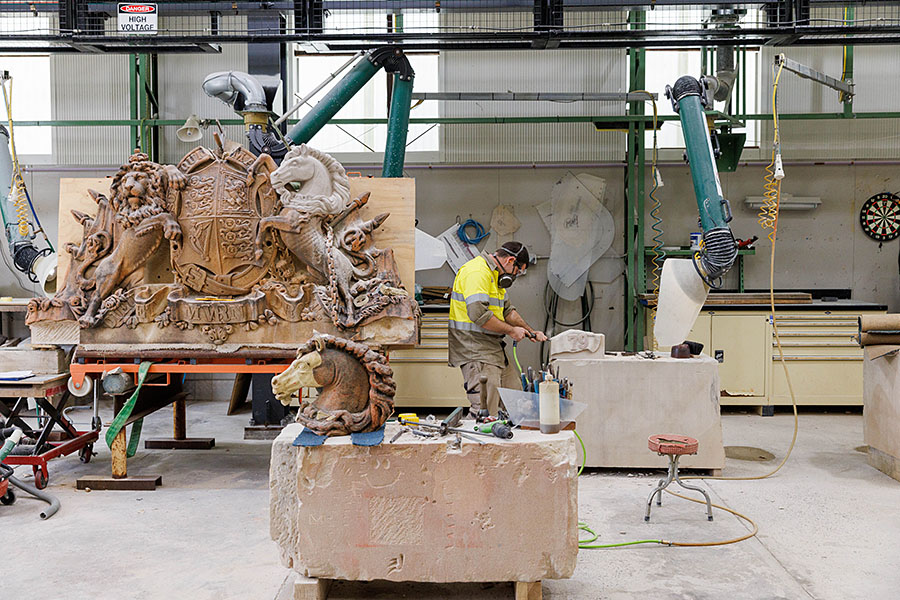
(719, 250)
(248, 97)
(685, 283)
(392, 60)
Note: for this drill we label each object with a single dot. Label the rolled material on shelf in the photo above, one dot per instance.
(875, 339)
(880, 324)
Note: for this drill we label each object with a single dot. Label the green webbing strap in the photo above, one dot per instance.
(124, 414)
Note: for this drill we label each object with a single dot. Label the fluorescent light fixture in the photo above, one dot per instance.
(788, 202)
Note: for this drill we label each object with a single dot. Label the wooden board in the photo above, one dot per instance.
(398, 197)
(73, 195)
(734, 299)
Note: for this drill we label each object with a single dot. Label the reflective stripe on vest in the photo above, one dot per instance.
(476, 281)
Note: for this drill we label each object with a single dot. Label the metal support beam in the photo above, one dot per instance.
(807, 73)
(634, 196)
(536, 96)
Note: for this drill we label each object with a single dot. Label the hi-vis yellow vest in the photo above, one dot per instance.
(476, 281)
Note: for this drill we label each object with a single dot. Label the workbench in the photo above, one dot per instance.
(630, 397)
(823, 358)
(51, 395)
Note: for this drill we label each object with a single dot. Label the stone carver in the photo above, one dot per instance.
(356, 391)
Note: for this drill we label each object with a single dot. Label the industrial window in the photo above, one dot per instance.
(30, 96)
(372, 101)
(664, 67)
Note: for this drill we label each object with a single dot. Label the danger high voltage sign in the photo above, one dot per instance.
(137, 19)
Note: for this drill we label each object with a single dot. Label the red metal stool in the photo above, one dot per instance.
(674, 446)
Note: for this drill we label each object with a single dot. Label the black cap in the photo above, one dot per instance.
(517, 250)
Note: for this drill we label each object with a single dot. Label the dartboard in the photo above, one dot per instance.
(880, 217)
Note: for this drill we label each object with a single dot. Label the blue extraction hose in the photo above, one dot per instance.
(480, 233)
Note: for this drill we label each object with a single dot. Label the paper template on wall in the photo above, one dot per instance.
(430, 252)
(458, 252)
(581, 231)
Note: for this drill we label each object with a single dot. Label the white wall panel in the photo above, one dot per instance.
(180, 95)
(90, 87)
(532, 71)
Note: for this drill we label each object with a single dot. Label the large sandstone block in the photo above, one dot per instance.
(418, 510)
(630, 398)
(881, 413)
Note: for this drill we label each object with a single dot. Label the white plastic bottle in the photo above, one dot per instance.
(549, 406)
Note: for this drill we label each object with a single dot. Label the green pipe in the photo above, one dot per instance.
(398, 127)
(334, 100)
(719, 248)
(702, 162)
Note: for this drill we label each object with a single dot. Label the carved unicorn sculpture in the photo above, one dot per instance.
(307, 216)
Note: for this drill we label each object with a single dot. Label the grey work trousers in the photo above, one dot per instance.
(497, 377)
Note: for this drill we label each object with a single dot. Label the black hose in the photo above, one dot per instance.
(53, 501)
(551, 304)
(552, 299)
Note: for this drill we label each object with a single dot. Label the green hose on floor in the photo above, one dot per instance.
(585, 544)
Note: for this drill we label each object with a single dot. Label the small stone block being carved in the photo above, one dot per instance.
(419, 510)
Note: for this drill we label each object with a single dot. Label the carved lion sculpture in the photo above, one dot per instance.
(128, 229)
(356, 386)
(142, 193)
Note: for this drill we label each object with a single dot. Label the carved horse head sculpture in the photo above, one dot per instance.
(356, 386)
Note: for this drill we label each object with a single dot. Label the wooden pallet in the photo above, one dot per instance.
(297, 587)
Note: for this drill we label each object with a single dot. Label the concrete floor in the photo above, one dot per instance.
(829, 526)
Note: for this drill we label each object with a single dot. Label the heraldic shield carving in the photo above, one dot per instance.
(258, 254)
(219, 213)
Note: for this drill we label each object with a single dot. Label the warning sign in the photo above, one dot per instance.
(137, 19)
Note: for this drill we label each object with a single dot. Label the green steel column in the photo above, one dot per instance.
(143, 81)
(333, 101)
(634, 198)
(133, 99)
(398, 127)
(630, 250)
(849, 17)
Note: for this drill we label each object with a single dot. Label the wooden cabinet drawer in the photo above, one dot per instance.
(819, 380)
(419, 354)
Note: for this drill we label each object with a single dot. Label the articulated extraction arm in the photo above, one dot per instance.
(686, 283)
(248, 98)
(393, 61)
(719, 250)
